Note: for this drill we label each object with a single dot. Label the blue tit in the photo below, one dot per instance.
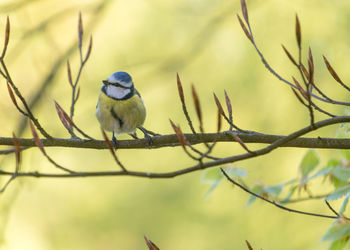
(120, 108)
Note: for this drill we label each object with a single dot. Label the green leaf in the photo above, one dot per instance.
(344, 204)
(321, 172)
(250, 201)
(309, 162)
(337, 183)
(289, 182)
(341, 173)
(274, 190)
(338, 244)
(343, 131)
(211, 175)
(290, 194)
(339, 192)
(333, 163)
(233, 171)
(329, 169)
(336, 231)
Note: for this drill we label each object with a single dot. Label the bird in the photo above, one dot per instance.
(120, 108)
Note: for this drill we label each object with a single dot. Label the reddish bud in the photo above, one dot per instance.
(289, 56)
(237, 139)
(37, 141)
(298, 96)
(244, 11)
(219, 121)
(332, 71)
(218, 104)
(61, 115)
(179, 88)
(197, 104)
(150, 244)
(182, 139)
(80, 31)
(69, 74)
(248, 245)
(311, 67)
(304, 70)
(7, 36)
(245, 29)
(301, 90)
(12, 96)
(228, 104)
(298, 31)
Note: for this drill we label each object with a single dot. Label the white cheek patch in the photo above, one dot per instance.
(117, 92)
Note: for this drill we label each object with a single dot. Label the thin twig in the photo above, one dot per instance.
(8, 183)
(56, 164)
(112, 151)
(272, 71)
(97, 10)
(314, 197)
(28, 113)
(184, 108)
(75, 91)
(10, 151)
(40, 145)
(273, 202)
(331, 208)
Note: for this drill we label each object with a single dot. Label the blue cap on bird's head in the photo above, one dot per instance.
(120, 78)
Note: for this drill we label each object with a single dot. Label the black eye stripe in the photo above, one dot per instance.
(116, 84)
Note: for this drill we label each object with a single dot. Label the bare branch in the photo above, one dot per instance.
(28, 112)
(110, 147)
(7, 37)
(273, 202)
(40, 145)
(334, 74)
(283, 141)
(184, 108)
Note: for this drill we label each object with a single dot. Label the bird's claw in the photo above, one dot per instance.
(147, 136)
(114, 141)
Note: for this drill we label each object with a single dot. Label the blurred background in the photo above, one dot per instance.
(152, 40)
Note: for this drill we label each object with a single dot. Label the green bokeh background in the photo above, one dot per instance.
(152, 40)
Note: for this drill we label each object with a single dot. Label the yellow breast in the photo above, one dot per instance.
(120, 116)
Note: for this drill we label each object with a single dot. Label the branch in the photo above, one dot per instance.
(314, 197)
(249, 33)
(282, 141)
(97, 12)
(274, 203)
(172, 140)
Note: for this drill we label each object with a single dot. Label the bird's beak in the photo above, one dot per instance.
(105, 82)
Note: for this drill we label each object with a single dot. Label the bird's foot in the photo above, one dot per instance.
(147, 136)
(114, 141)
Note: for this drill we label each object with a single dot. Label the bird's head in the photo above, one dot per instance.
(119, 85)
